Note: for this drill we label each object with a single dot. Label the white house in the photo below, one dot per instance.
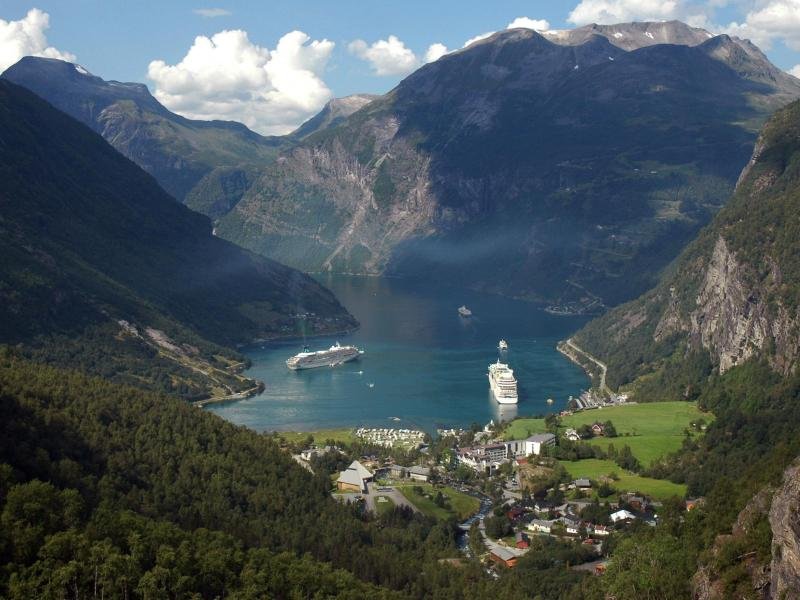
(622, 515)
(541, 526)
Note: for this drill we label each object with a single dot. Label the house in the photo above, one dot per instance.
(354, 478)
(503, 556)
(582, 483)
(398, 471)
(636, 502)
(572, 435)
(419, 473)
(598, 428)
(515, 513)
(622, 516)
(522, 540)
(599, 530)
(314, 451)
(571, 525)
(540, 526)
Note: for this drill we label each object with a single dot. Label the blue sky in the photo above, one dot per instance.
(119, 39)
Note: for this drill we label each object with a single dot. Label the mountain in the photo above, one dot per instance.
(722, 327)
(632, 36)
(732, 296)
(102, 269)
(334, 112)
(180, 153)
(568, 173)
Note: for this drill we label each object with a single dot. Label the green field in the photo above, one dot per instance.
(651, 430)
(461, 505)
(344, 435)
(594, 469)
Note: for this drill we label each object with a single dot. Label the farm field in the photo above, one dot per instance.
(651, 430)
(593, 468)
(461, 505)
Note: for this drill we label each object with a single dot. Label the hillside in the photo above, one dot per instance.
(732, 295)
(187, 157)
(722, 328)
(102, 269)
(568, 173)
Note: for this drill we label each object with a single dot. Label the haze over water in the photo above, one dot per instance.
(423, 363)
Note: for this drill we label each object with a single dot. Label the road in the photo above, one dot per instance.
(603, 368)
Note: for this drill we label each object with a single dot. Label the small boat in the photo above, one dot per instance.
(464, 311)
(502, 345)
(549, 400)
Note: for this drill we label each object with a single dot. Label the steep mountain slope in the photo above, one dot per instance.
(734, 293)
(568, 174)
(180, 153)
(333, 113)
(97, 259)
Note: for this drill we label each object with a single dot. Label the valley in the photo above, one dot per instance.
(604, 218)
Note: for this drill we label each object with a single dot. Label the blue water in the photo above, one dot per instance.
(423, 363)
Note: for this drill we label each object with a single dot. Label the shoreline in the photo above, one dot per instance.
(569, 349)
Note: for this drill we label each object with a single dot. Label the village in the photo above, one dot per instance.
(509, 496)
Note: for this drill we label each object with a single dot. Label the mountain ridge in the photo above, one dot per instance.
(474, 154)
(99, 259)
(178, 152)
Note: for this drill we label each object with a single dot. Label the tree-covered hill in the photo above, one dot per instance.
(732, 295)
(101, 267)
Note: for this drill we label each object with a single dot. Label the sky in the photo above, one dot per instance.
(272, 64)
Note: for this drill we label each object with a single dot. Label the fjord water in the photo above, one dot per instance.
(423, 363)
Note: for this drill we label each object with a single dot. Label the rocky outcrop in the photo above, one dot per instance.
(784, 519)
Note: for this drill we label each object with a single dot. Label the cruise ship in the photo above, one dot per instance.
(335, 355)
(503, 383)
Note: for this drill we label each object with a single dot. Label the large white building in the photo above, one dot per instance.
(488, 458)
(530, 445)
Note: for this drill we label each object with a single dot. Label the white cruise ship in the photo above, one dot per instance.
(335, 355)
(503, 383)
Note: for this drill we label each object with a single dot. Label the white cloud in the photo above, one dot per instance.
(528, 23)
(435, 52)
(228, 77)
(795, 70)
(618, 11)
(210, 13)
(26, 37)
(386, 57)
(479, 37)
(770, 20)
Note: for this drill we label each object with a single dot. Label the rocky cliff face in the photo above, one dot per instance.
(735, 292)
(770, 577)
(784, 519)
(565, 172)
(733, 319)
(334, 112)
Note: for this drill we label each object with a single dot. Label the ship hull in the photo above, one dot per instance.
(503, 399)
(323, 363)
